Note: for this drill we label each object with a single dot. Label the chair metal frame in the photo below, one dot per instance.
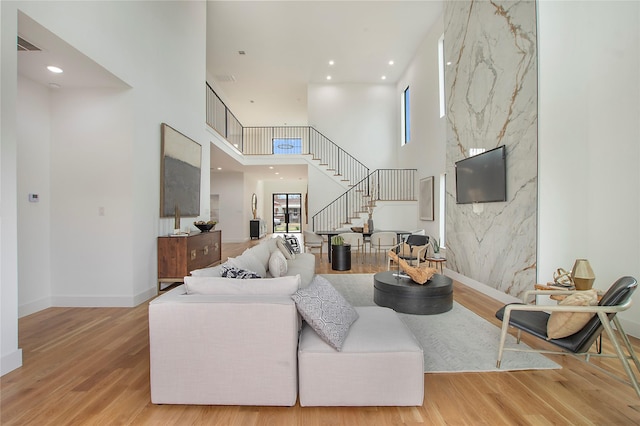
(411, 258)
(602, 312)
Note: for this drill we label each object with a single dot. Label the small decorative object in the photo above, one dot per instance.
(337, 240)
(176, 220)
(254, 205)
(417, 274)
(370, 224)
(436, 247)
(205, 226)
(562, 278)
(582, 275)
(358, 229)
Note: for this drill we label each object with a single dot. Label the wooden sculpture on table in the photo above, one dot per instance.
(417, 274)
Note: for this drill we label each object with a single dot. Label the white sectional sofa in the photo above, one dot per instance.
(228, 341)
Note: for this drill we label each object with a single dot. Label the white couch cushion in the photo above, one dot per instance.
(228, 286)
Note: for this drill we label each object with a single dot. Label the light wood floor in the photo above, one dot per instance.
(90, 366)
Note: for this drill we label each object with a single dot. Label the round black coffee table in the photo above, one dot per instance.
(404, 295)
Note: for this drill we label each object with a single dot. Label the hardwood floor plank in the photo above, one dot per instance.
(90, 366)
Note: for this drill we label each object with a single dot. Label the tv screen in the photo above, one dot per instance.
(482, 178)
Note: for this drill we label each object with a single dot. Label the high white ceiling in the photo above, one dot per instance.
(288, 45)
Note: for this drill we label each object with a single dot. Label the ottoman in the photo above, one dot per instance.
(381, 363)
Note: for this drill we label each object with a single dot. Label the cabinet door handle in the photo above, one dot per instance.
(194, 254)
(216, 247)
(205, 250)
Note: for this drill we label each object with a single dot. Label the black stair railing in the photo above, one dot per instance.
(380, 185)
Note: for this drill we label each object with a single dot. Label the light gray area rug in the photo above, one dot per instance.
(455, 341)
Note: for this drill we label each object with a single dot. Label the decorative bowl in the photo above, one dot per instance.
(358, 229)
(205, 227)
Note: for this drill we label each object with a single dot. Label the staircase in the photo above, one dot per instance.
(363, 189)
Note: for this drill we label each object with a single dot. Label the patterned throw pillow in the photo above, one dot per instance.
(233, 272)
(294, 245)
(326, 311)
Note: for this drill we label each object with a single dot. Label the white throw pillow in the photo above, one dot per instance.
(277, 264)
(249, 262)
(283, 246)
(285, 286)
(262, 252)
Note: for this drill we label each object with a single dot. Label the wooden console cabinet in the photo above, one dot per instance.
(178, 256)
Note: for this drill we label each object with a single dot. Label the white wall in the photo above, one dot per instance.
(158, 49)
(91, 197)
(427, 148)
(234, 215)
(11, 354)
(371, 130)
(589, 133)
(34, 176)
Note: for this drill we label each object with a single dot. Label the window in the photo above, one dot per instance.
(287, 145)
(441, 75)
(406, 117)
(442, 216)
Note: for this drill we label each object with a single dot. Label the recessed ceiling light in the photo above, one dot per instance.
(277, 173)
(328, 77)
(384, 77)
(271, 167)
(331, 62)
(219, 168)
(449, 63)
(391, 62)
(55, 70)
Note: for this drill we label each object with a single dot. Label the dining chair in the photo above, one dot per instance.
(382, 241)
(313, 240)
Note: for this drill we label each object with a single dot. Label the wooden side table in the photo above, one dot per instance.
(551, 286)
(439, 261)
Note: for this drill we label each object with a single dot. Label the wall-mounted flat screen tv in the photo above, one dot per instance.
(482, 178)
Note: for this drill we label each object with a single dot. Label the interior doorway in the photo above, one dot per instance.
(287, 213)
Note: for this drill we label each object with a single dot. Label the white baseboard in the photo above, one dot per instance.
(10, 362)
(33, 307)
(481, 287)
(632, 328)
(142, 297)
(93, 301)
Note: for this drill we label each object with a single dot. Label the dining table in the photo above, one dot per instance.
(330, 233)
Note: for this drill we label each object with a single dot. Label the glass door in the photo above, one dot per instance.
(287, 213)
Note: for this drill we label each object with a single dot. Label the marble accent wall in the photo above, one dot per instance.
(491, 100)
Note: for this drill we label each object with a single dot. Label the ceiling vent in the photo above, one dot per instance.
(225, 78)
(24, 45)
